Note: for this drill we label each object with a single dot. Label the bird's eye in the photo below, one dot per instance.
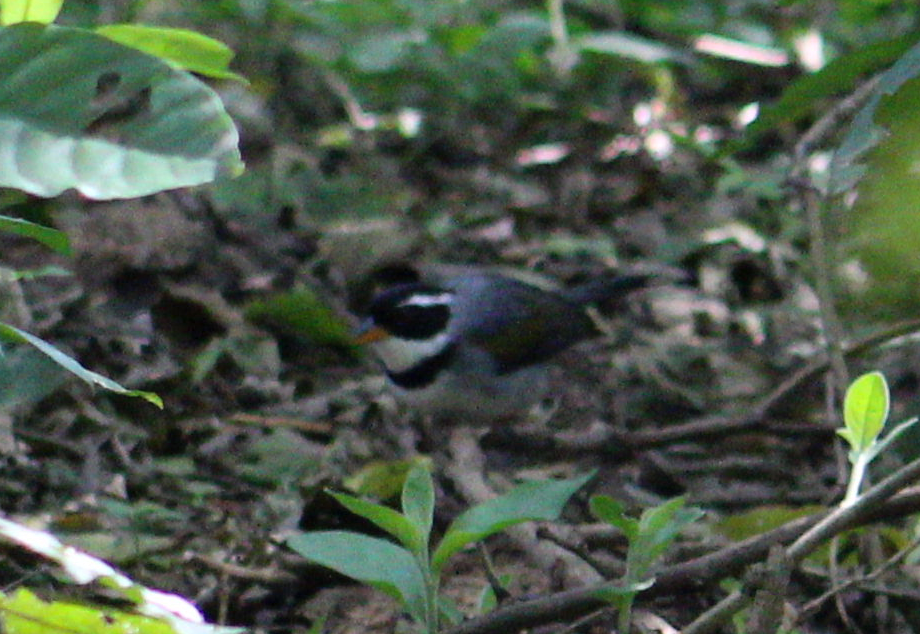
(413, 313)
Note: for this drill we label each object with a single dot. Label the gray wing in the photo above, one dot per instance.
(518, 324)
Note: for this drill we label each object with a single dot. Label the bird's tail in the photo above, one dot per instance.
(607, 288)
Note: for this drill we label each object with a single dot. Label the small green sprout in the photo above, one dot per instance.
(865, 412)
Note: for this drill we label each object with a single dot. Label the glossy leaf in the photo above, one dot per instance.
(182, 48)
(78, 110)
(373, 561)
(52, 238)
(22, 612)
(393, 522)
(541, 500)
(865, 410)
(11, 333)
(418, 502)
(613, 512)
(43, 11)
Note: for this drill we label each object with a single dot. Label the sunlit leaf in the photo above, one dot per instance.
(24, 613)
(865, 410)
(184, 49)
(52, 238)
(43, 11)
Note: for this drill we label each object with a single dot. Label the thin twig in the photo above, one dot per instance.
(815, 604)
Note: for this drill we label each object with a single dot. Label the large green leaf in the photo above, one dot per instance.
(78, 110)
(22, 612)
(16, 335)
(44, 11)
(394, 523)
(883, 228)
(52, 238)
(805, 95)
(418, 501)
(373, 561)
(184, 49)
(540, 500)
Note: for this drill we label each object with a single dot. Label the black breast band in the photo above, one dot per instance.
(425, 372)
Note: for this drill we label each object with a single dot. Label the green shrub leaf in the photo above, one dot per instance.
(182, 48)
(78, 110)
(541, 500)
(24, 613)
(612, 511)
(865, 410)
(43, 11)
(384, 517)
(376, 562)
(418, 503)
(52, 238)
(11, 333)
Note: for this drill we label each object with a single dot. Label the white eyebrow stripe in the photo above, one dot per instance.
(426, 300)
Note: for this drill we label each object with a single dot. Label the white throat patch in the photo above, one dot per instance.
(399, 355)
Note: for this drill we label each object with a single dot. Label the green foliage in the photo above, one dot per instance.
(42, 11)
(531, 501)
(807, 93)
(181, 48)
(383, 479)
(24, 613)
(409, 572)
(301, 311)
(648, 538)
(51, 238)
(15, 335)
(865, 412)
(131, 125)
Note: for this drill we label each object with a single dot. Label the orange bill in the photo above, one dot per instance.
(370, 335)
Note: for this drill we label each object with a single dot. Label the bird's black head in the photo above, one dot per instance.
(412, 311)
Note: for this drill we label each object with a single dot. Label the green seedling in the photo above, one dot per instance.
(865, 412)
(410, 570)
(648, 538)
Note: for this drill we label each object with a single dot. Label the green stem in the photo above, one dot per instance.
(432, 584)
(856, 478)
(624, 618)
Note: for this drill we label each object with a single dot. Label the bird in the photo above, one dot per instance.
(477, 346)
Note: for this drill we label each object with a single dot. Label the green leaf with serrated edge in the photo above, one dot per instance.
(418, 502)
(865, 410)
(11, 333)
(43, 11)
(385, 518)
(52, 238)
(22, 612)
(606, 509)
(540, 500)
(376, 562)
(118, 123)
(184, 49)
